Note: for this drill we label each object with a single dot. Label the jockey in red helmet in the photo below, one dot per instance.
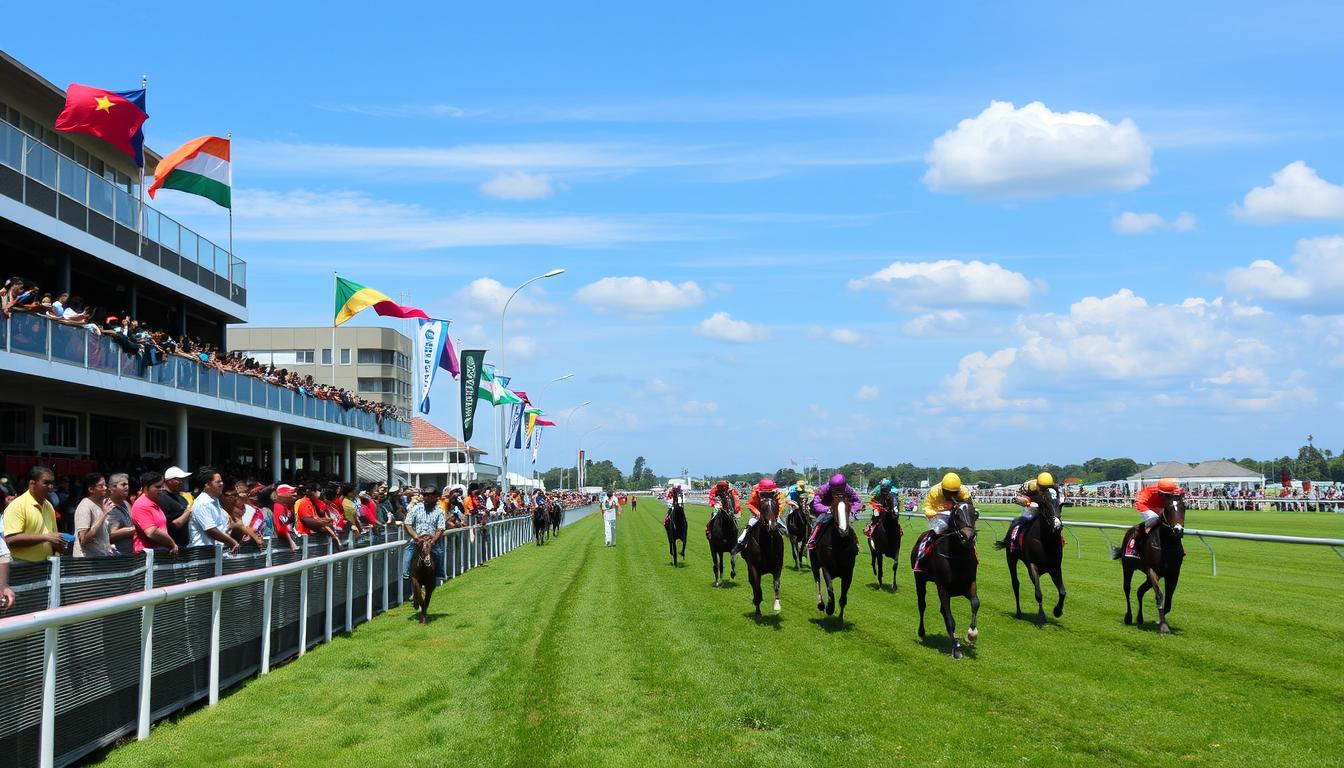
(1149, 502)
(764, 489)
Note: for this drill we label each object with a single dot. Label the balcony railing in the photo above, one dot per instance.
(48, 181)
(37, 336)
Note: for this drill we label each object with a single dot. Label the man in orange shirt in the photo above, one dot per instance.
(310, 517)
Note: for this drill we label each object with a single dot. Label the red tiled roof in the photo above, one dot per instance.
(426, 435)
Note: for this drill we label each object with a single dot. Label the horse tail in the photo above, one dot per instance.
(1000, 544)
(1115, 553)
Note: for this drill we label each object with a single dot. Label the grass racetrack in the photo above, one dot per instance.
(573, 654)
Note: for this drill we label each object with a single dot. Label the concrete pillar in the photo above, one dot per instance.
(182, 438)
(389, 467)
(276, 460)
(348, 463)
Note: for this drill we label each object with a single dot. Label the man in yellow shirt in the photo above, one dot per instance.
(30, 521)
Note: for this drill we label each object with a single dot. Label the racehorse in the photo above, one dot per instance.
(541, 524)
(1040, 544)
(557, 512)
(951, 567)
(1160, 558)
(799, 524)
(722, 536)
(885, 542)
(422, 578)
(833, 557)
(764, 552)
(676, 526)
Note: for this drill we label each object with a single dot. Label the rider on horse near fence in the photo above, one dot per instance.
(821, 505)
(762, 490)
(1031, 495)
(724, 497)
(1149, 502)
(885, 498)
(673, 496)
(937, 505)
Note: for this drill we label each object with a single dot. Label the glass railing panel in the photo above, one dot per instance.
(100, 195)
(286, 401)
(151, 223)
(170, 234)
(129, 365)
(166, 371)
(272, 397)
(258, 392)
(190, 244)
(207, 381)
(11, 146)
(4, 329)
(102, 353)
(73, 181)
(228, 384)
(40, 161)
(28, 334)
(124, 207)
(67, 343)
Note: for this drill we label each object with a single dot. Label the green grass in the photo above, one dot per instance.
(573, 654)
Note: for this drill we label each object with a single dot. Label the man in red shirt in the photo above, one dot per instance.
(282, 516)
(1150, 502)
(310, 516)
(151, 525)
(368, 510)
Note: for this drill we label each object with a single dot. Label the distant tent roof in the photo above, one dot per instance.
(1176, 469)
(1224, 468)
(427, 435)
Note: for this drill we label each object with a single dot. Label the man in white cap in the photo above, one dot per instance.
(176, 505)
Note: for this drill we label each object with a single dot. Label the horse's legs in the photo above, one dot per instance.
(921, 585)
(716, 563)
(754, 575)
(1012, 571)
(844, 594)
(776, 575)
(1129, 608)
(1035, 575)
(1057, 576)
(1161, 603)
(830, 591)
(1138, 597)
(973, 594)
(1173, 578)
(816, 574)
(732, 563)
(945, 605)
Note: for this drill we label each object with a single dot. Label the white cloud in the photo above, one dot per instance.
(1296, 194)
(978, 385)
(1316, 279)
(1005, 152)
(1129, 223)
(931, 284)
(520, 349)
(517, 185)
(699, 407)
(723, 327)
(640, 295)
(485, 297)
(868, 392)
(838, 335)
(944, 321)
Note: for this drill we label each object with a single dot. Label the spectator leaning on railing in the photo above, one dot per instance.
(176, 505)
(30, 520)
(151, 525)
(209, 522)
(92, 537)
(120, 531)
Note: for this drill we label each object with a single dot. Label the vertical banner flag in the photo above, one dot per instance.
(516, 426)
(581, 468)
(536, 443)
(429, 339)
(470, 388)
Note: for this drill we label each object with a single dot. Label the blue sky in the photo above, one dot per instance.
(961, 236)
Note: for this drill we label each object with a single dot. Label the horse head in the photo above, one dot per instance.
(963, 517)
(1173, 514)
(425, 552)
(840, 512)
(769, 508)
(1050, 509)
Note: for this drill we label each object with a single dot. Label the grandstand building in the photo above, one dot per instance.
(71, 222)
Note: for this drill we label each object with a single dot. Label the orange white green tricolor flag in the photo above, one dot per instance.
(201, 167)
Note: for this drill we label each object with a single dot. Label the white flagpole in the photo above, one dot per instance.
(333, 330)
(140, 214)
(229, 266)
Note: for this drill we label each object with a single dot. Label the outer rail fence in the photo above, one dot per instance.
(1336, 545)
(98, 648)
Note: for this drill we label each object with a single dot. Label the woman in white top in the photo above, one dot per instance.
(610, 510)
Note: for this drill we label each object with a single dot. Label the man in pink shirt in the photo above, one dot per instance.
(151, 525)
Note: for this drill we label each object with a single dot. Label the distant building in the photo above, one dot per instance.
(433, 458)
(1218, 472)
(373, 362)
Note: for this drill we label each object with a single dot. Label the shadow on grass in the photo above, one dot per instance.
(768, 618)
(1029, 617)
(830, 623)
(889, 588)
(727, 584)
(430, 617)
(1151, 626)
(943, 645)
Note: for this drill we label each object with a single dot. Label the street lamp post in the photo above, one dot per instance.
(566, 377)
(570, 415)
(499, 370)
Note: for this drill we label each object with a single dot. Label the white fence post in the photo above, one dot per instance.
(146, 653)
(368, 594)
(303, 599)
(50, 638)
(350, 589)
(216, 596)
(401, 580)
(267, 590)
(331, 577)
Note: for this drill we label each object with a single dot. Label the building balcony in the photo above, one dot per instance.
(34, 345)
(50, 183)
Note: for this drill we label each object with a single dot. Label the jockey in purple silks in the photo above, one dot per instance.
(824, 496)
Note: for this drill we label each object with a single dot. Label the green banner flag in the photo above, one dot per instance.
(471, 386)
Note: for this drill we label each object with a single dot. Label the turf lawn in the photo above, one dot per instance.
(573, 654)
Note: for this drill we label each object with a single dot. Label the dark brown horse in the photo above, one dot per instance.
(422, 577)
(541, 523)
(1160, 558)
(799, 523)
(833, 556)
(951, 566)
(1040, 545)
(722, 534)
(885, 540)
(675, 524)
(556, 513)
(764, 550)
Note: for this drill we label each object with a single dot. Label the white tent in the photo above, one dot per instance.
(1217, 472)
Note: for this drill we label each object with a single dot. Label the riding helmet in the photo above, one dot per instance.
(837, 480)
(767, 484)
(1167, 485)
(951, 482)
(1045, 480)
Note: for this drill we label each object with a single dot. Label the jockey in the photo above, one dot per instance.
(673, 492)
(884, 499)
(799, 498)
(1150, 502)
(725, 497)
(1030, 496)
(823, 498)
(937, 505)
(763, 490)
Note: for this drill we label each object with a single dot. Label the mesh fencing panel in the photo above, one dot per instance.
(21, 695)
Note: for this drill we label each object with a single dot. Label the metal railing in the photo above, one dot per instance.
(1218, 503)
(174, 247)
(305, 590)
(39, 336)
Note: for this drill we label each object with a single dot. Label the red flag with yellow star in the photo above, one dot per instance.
(113, 116)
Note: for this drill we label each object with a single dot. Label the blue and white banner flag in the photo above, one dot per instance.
(536, 443)
(431, 338)
(516, 426)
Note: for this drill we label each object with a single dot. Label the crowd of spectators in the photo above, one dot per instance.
(155, 346)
